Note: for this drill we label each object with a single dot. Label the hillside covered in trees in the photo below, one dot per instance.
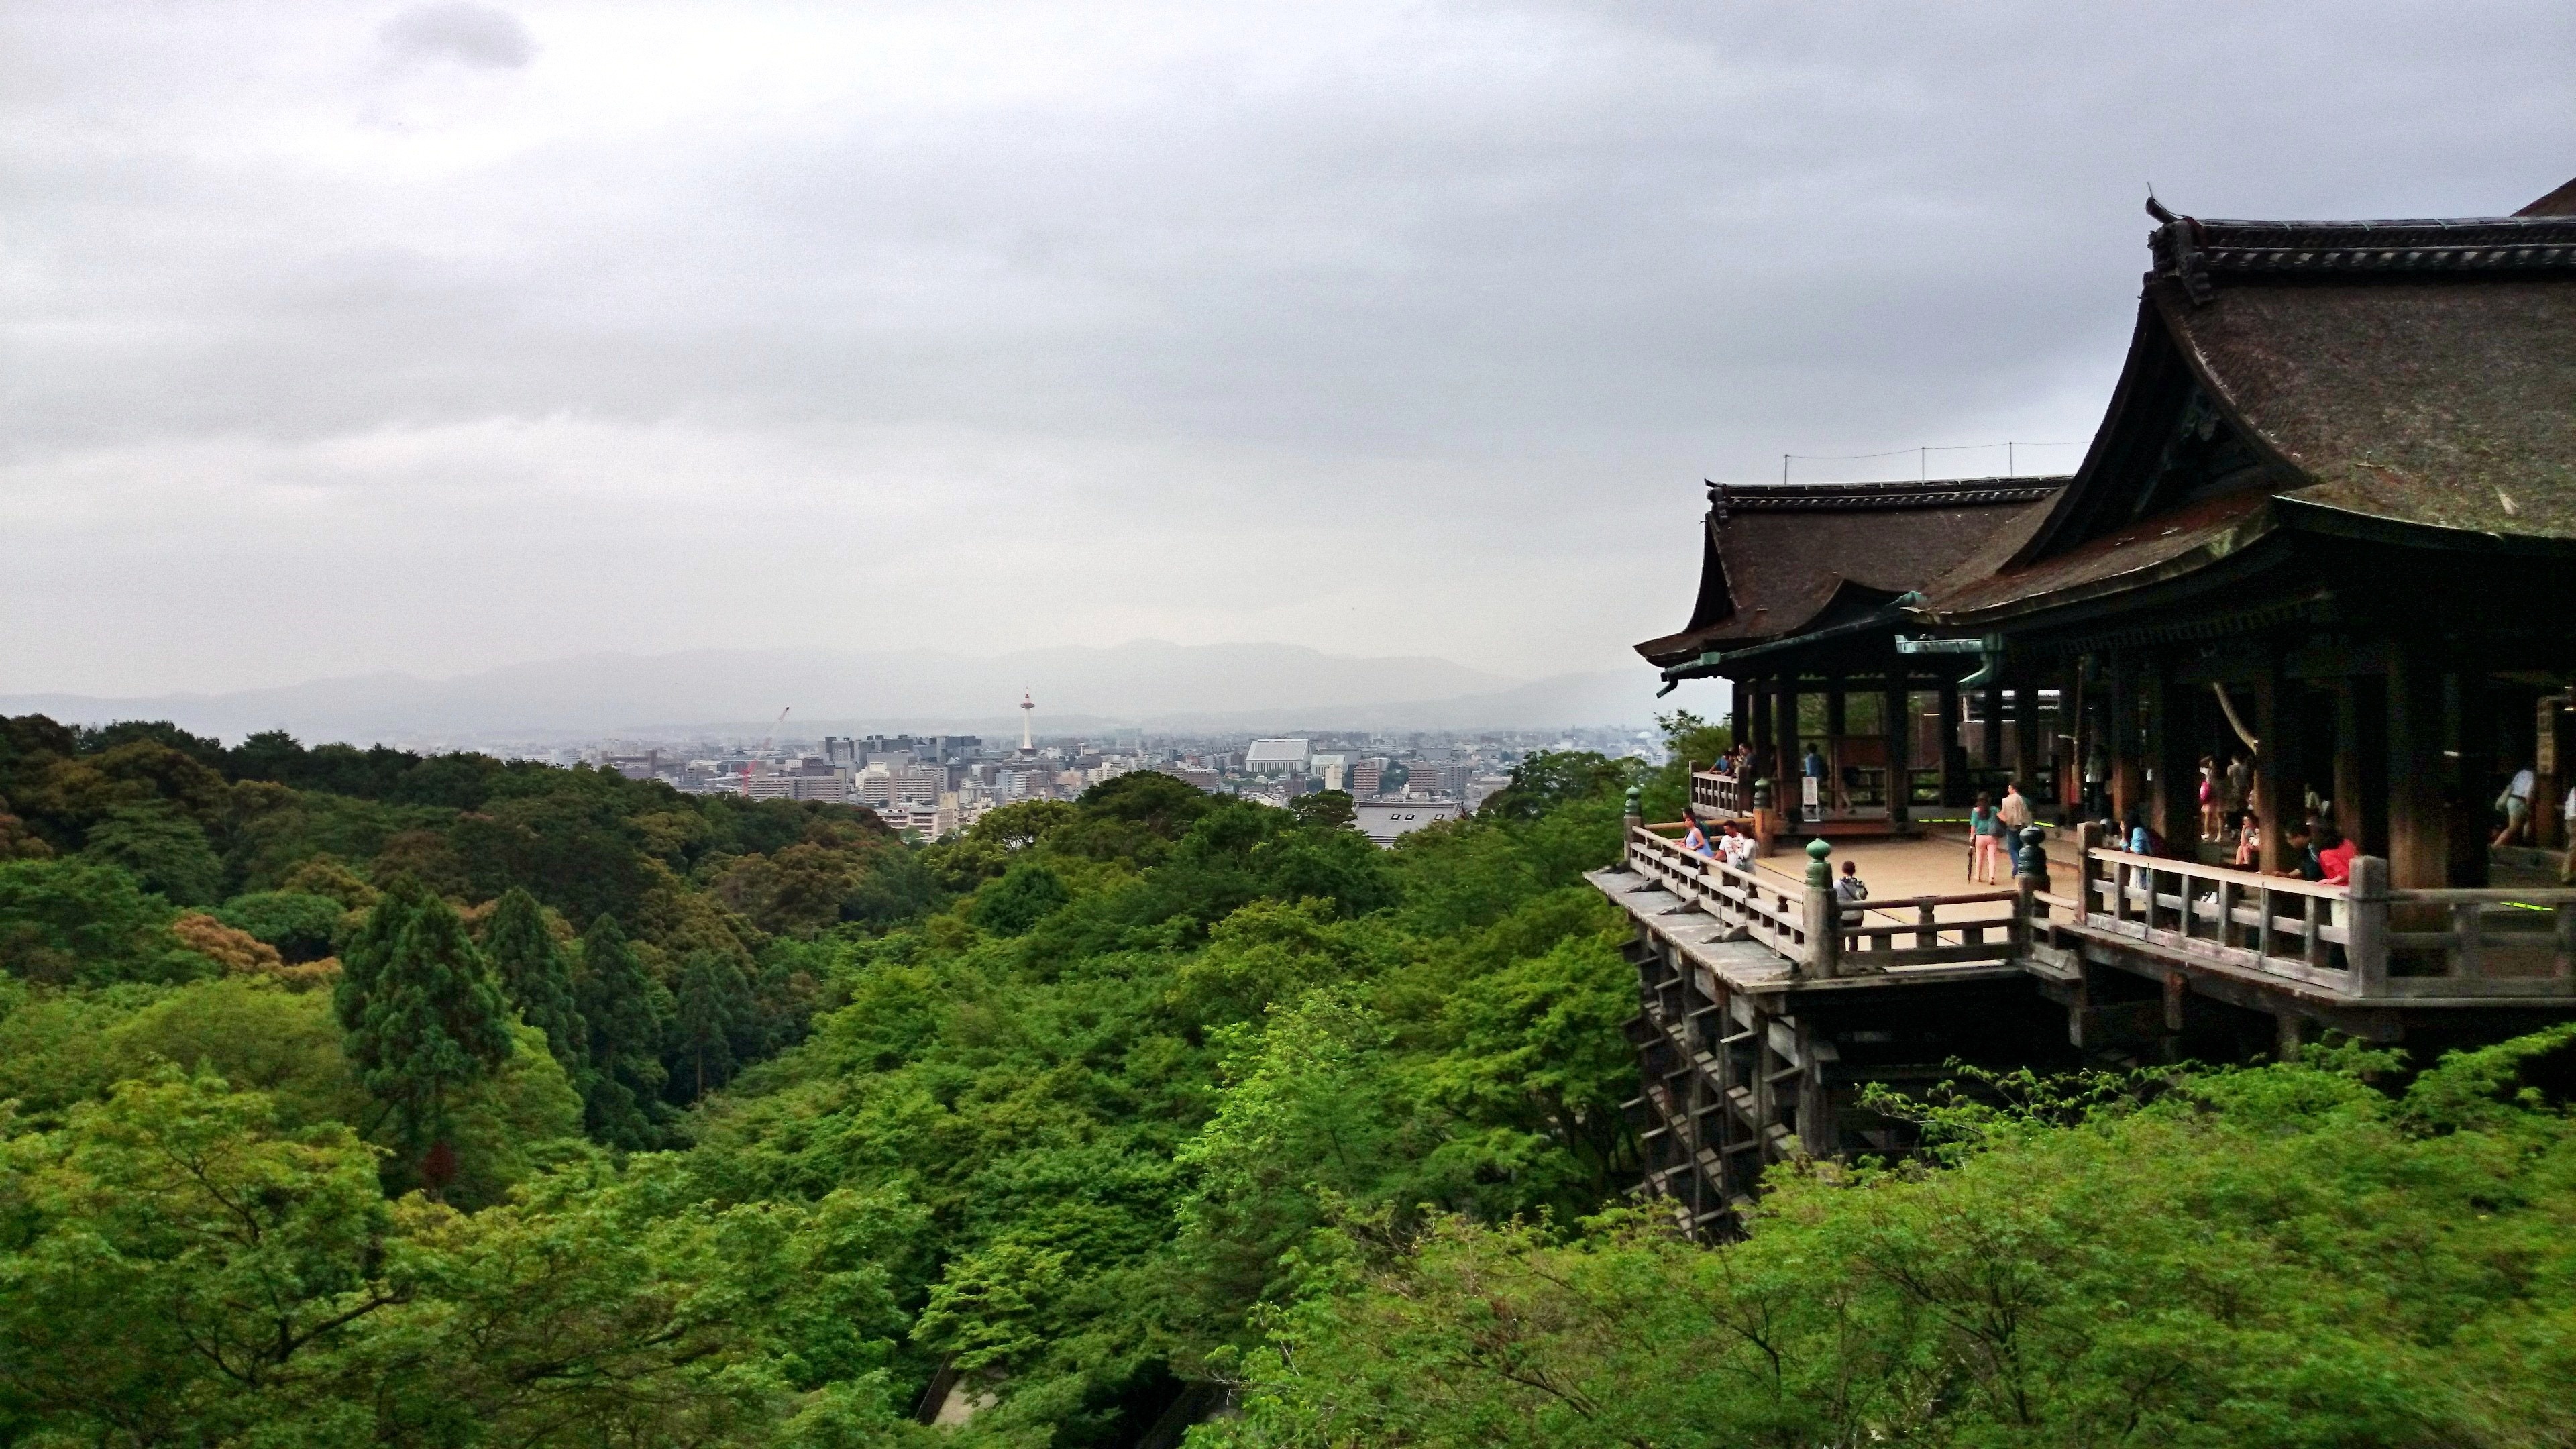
(363, 1098)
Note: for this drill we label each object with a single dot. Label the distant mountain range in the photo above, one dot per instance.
(1148, 684)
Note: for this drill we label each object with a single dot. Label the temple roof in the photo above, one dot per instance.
(1775, 558)
(2407, 380)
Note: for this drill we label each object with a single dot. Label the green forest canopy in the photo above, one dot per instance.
(360, 1097)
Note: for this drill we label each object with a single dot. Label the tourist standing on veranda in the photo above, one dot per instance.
(2237, 788)
(1985, 840)
(2567, 814)
(2515, 802)
(2015, 810)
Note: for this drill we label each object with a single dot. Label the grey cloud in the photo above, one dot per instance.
(467, 34)
(1483, 288)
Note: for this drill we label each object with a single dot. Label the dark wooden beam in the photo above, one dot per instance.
(2173, 809)
(2120, 730)
(2416, 848)
(1954, 760)
(2470, 703)
(1896, 715)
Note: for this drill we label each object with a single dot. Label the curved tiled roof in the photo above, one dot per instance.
(1777, 555)
(2407, 378)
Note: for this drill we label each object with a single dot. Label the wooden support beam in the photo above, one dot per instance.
(2026, 740)
(2078, 704)
(2346, 769)
(2173, 766)
(2279, 791)
(2470, 703)
(1954, 760)
(2120, 736)
(1990, 741)
(2417, 851)
(1784, 745)
(1896, 713)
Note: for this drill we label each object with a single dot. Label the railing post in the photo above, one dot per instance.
(2030, 877)
(1824, 927)
(2088, 838)
(1630, 822)
(2365, 925)
(2468, 925)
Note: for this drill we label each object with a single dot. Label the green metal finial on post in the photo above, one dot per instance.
(1635, 811)
(1824, 954)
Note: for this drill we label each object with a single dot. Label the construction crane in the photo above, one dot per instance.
(775, 726)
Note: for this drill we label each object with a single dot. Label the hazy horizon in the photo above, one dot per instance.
(426, 337)
(1153, 684)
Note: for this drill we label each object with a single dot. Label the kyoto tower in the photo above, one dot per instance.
(1028, 746)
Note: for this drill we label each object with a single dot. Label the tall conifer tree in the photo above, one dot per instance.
(618, 1007)
(714, 1007)
(423, 1015)
(537, 976)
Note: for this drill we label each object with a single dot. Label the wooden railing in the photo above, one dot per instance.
(1728, 794)
(2273, 924)
(1872, 945)
(2361, 939)
(2495, 942)
(1816, 931)
(1766, 909)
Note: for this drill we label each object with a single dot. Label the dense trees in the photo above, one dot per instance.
(814, 1132)
(2285, 1254)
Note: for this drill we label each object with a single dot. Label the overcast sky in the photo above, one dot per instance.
(343, 336)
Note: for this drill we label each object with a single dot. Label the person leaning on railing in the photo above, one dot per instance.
(2316, 851)
(2334, 852)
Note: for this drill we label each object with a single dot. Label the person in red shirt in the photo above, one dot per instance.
(2334, 854)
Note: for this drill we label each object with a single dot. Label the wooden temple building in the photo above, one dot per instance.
(2328, 526)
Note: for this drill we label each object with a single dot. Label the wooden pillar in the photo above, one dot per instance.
(2279, 773)
(2347, 758)
(2471, 706)
(2082, 720)
(1785, 790)
(1990, 746)
(2546, 823)
(1895, 715)
(2063, 757)
(2173, 785)
(1837, 719)
(2025, 765)
(1758, 725)
(2370, 765)
(2416, 847)
(1954, 761)
(1737, 715)
(2120, 742)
